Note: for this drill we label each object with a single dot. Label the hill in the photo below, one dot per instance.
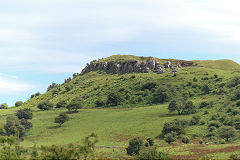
(120, 105)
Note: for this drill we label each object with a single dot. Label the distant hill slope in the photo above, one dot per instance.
(140, 88)
(218, 64)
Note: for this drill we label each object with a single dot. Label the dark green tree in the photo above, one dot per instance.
(25, 113)
(177, 125)
(227, 132)
(45, 105)
(61, 118)
(13, 127)
(18, 103)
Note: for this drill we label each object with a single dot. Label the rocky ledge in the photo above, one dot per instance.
(135, 66)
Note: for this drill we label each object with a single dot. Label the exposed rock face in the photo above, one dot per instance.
(130, 66)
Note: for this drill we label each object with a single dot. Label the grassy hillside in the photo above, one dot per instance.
(140, 113)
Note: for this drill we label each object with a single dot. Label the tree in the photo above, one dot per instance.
(177, 126)
(134, 146)
(37, 94)
(206, 89)
(170, 137)
(45, 105)
(75, 104)
(4, 106)
(61, 104)
(173, 106)
(227, 132)
(182, 107)
(53, 85)
(25, 113)
(61, 118)
(13, 127)
(18, 103)
(113, 99)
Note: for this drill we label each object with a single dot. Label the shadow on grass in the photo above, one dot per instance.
(53, 127)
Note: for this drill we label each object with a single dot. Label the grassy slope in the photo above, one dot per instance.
(117, 125)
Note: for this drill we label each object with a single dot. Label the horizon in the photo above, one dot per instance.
(47, 41)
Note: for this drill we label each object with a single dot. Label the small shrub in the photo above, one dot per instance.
(99, 103)
(134, 146)
(4, 106)
(151, 153)
(170, 137)
(234, 156)
(202, 122)
(214, 123)
(185, 140)
(203, 104)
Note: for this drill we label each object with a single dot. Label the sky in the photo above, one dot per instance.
(46, 41)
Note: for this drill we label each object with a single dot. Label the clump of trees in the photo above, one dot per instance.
(182, 107)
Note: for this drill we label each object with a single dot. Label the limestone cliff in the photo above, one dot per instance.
(135, 66)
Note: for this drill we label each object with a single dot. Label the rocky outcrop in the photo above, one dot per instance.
(131, 66)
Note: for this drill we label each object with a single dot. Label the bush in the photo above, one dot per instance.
(233, 82)
(195, 120)
(25, 113)
(4, 106)
(203, 104)
(202, 122)
(214, 123)
(99, 103)
(151, 153)
(113, 99)
(75, 104)
(134, 146)
(45, 105)
(18, 103)
(234, 156)
(206, 89)
(170, 137)
(150, 141)
(185, 140)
